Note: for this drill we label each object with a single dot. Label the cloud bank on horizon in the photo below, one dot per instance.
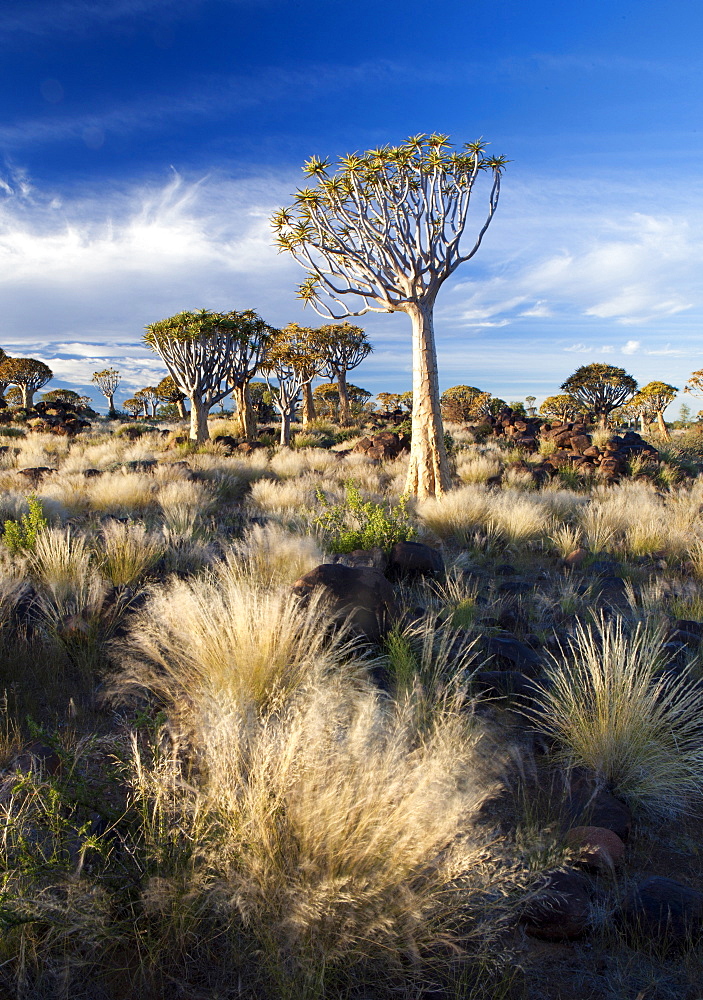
(591, 256)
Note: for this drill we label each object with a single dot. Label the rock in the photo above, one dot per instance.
(592, 806)
(561, 910)
(249, 447)
(360, 592)
(516, 653)
(664, 911)
(387, 445)
(580, 442)
(374, 557)
(503, 683)
(35, 475)
(599, 850)
(415, 559)
(140, 465)
(92, 473)
(37, 758)
(686, 625)
(576, 558)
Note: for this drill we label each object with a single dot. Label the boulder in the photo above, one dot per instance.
(35, 475)
(560, 910)
(375, 557)
(589, 805)
(517, 654)
(598, 849)
(361, 593)
(664, 911)
(387, 445)
(415, 559)
(576, 558)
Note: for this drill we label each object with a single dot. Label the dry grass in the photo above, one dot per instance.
(612, 707)
(269, 556)
(126, 552)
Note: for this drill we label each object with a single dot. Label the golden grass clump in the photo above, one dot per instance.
(331, 837)
(456, 515)
(613, 707)
(221, 638)
(126, 552)
(476, 468)
(269, 556)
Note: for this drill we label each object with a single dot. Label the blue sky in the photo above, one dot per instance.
(144, 144)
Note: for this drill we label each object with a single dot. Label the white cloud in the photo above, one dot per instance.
(631, 347)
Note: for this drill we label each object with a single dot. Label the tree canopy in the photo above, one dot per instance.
(561, 407)
(600, 387)
(28, 374)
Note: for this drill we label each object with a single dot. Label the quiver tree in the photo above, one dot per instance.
(197, 348)
(600, 388)
(563, 407)
(150, 398)
(344, 348)
(168, 392)
(326, 397)
(389, 400)
(3, 384)
(107, 381)
(28, 374)
(287, 361)
(651, 401)
(248, 351)
(307, 350)
(134, 406)
(459, 403)
(382, 233)
(63, 396)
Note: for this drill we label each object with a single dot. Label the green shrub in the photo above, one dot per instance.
(12, 432)
(359, 524)
(21, 536)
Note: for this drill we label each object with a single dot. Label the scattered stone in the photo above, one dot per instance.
(592, 806)
(576, 559)
(140, 465)
(361, 593)
(387, 445)
(516, 653)
(664, 911)
(36, 758)
(599, 850)
(503, 683)
(375, 558)
(92, 473)
(561, 909)
(415, 559)
(35, 476)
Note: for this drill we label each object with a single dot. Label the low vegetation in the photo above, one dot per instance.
(214, 786)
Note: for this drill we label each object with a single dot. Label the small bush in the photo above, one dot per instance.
(21, 536)
(358, 524)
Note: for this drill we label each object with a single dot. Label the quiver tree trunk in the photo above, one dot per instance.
(428, 472)
(245, 412)
(111, 405)
(27, 396)
(182, 412)
(661, 424)
(308, 404)
(344, 407)
(199, 430)
(285, 428)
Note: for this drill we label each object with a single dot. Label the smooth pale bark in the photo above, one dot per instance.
(27, 396)
(111, 405)
(245, 411)
(199, 430)
(285, 429)
(344, 407)
(643, 425)
(428, 472)
(308, 404)
(182, 412)
(663, 429)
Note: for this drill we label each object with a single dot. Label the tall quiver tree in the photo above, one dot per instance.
(248, 352)
(197, 349)
(107, 381)
(384, 231)
(600, 388)
(28, 374)
(344, 348)
(652, 400)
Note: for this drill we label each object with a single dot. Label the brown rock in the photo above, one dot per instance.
(576, 558)
(594, 806)
(580, 442)
(361, 593)
(664, 911)
(599, 850)
(415, 559)
(561, 909)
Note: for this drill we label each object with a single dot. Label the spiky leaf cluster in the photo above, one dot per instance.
(464, 402)
(384, 226)
(560, 407)
(107, 381)
(653, 398)
(27, 372)
(600, 387)
(168, 392)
